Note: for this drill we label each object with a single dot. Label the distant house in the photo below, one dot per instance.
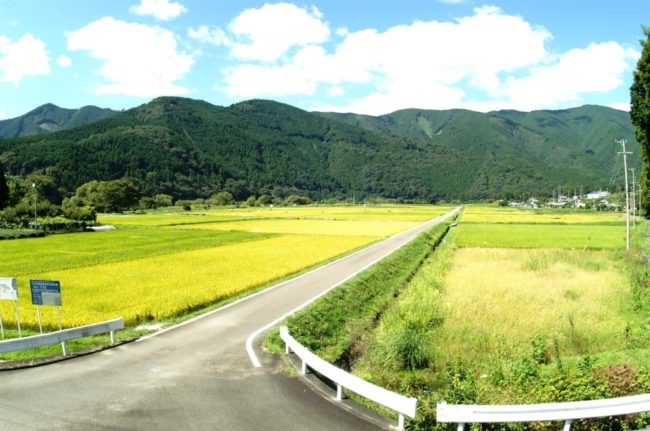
(597, 195)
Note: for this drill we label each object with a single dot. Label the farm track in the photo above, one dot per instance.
(197, 376)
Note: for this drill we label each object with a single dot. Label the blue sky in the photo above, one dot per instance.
(362, 56)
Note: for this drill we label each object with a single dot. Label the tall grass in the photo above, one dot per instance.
(502, 296)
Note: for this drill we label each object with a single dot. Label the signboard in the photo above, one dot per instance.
(8, 289)
(45, 292)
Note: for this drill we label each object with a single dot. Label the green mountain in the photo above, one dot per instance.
(190, 148)
(573, 147)
(51, 118)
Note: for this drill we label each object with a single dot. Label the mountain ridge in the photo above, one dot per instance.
(190, 148)
(49, 118)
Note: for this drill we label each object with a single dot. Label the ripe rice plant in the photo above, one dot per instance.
(492, 214)
(56, 252)
(518, 235)
(159, 287)
(375, 228)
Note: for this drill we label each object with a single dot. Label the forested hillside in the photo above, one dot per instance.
(567, 148)
(189, 148)
(51, 118)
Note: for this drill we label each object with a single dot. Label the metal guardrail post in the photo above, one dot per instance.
(567, 425)
(400, 422)
(62, 336)
(402, 405)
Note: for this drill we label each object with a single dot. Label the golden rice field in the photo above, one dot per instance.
(376, 228)
(379, 213)
(163, 286)
(492, 214)
(147, 269)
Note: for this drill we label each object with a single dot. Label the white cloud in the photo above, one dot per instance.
(267, 33)
(25, 57)
(64, 61)
(163, 10)
(2, 115)
(253, 80)
(488, 60)
(335, 92)
(621, 106)
(137, 60)
(214, 36)
(599, 68)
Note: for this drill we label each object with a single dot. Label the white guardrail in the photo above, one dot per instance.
(62, 336)
(567, 412)
(402, 405)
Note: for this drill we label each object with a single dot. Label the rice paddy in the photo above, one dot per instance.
(164, 264)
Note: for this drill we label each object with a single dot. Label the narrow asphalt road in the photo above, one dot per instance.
(197, 376)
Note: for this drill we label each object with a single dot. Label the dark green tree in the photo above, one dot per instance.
(640, 113)
(222, 198)
(4, 189)
(105, 196)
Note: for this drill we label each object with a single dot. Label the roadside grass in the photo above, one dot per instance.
(77, 346)
(403, 339)
(65, 251)
(162, 286)
(518, 235)
(20, 233)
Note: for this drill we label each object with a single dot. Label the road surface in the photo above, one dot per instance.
(197, 376)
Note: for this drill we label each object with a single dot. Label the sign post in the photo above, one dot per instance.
(9, 292)
(46, 292)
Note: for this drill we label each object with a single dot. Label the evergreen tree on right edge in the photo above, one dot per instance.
(640, 114)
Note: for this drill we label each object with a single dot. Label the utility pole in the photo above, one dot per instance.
(627, 194)
(34, 189)
(633, 199)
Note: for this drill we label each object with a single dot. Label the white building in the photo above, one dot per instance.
(597, 195)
